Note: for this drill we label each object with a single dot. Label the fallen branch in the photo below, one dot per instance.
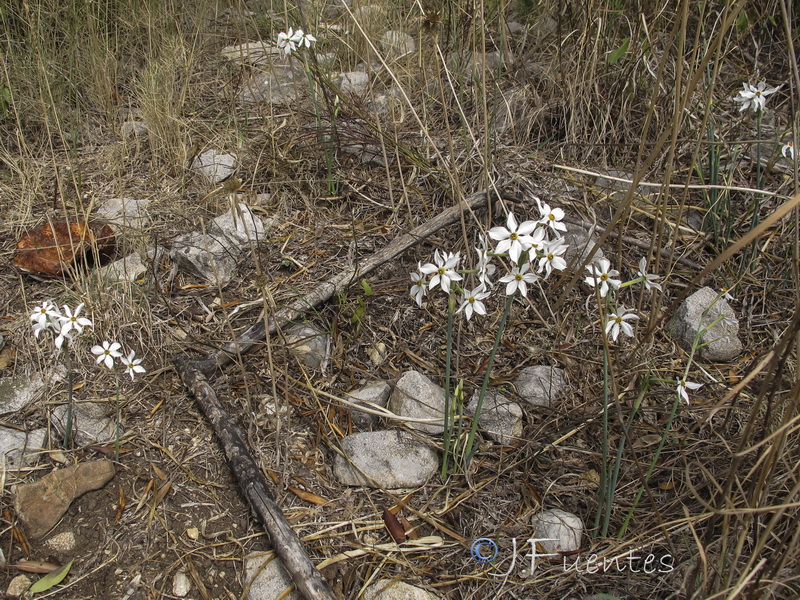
(307, 579)
(258, 332)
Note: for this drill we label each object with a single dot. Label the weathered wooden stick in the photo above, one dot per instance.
(258, 331)
(307, 579)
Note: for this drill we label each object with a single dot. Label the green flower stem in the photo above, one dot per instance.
(606, 488)
(451, 309)
(68, 424)
(485, 385)
(695, 345)
(117, 420)
(753, 250)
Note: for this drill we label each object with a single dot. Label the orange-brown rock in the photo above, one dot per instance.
(50, 248)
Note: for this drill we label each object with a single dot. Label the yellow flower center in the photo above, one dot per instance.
(550, 256)
(618, 319)
(552, 217)
(518, 277)
(604, 277)
(441, 271)
(513, 236)
(471, 299)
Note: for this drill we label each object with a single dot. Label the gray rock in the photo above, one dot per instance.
(279, 84)
(368, 154)
(18, 391)
(40, 505)
(133, 129)
(308, 345)
(581, 242)
(375, 393)
(326, 60)
(2, 558)
(214, 166)
(617, 190)
(210, 257)
(539, 385)
(476, 64)
(500, 418)
(353, 82)
(515, 28)
(267, 578)
(397, 44)
(418, 397)
(388, 103)
(389, 589)
(562, 527)
(252, 53)
(18, 586)
(128, 269)
(721, 342)
(181, 586)
(91, 423)
(18, 448)
(125, 213)
(387, 459)
(240, 226)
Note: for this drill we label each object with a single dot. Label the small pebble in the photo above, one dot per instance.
(181, 585)
(18, 586)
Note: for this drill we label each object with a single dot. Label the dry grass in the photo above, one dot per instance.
(527, 111)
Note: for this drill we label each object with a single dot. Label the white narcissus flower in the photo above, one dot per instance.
(788, 150)
(552, 257)
(537, 243)
(484, 268)
(287, 42)
(618, 321)
(107, 353)
(551, 217)
(443, 270)
(303, 39)
(602, 275)
(472, 301)
(132, 365)
(45, 316)
(419, 289)
(42, 314)
(518, 278)
(650, 281)
(72, 322)
(754, 96)
(684, 385)
(514, 239)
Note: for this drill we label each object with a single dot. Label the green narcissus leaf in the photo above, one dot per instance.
(367, 287)
(51, 579)
(614, 56)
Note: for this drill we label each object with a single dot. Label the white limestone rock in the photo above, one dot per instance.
(539, 385)
(417, 397)
(384, 459)
(719, 343)
(500, 418)
(561, 531)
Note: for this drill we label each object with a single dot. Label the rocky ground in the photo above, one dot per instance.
(288, 184)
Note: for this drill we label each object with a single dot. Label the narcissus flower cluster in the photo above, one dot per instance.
(529, 245)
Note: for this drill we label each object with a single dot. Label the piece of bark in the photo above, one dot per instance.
(339, 283)
(307, 579)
